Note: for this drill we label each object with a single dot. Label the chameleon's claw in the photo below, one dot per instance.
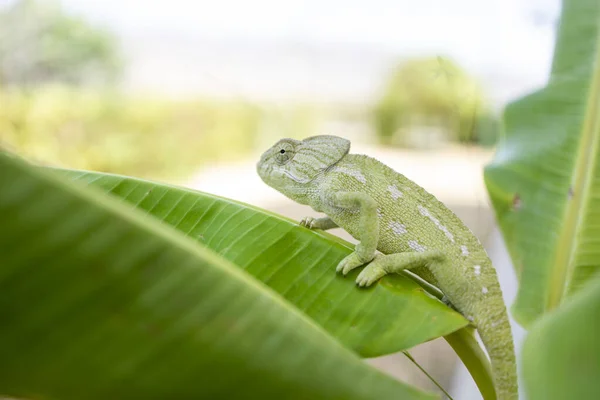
(447, 302)
(307, 222)
(349, 263)
(371, 274)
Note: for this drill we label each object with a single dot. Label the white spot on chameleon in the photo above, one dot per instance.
(495, 323)
(396, 193)
(484, 290)
(398, 228)
(464, 250)
(379, 213)
(470, 318)
(351, 172)
(477, 269)
(413, 244)
(425, 212)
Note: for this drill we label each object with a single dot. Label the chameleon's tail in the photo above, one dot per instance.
(497, 338)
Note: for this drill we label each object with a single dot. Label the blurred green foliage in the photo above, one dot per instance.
(156, 138)
(49, 62)
(113, 133)
(40, 43)
(55, 107)
(437, 94)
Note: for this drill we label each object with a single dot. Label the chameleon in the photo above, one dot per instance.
(398, 226)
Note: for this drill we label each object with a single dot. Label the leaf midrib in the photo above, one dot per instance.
(587, 156)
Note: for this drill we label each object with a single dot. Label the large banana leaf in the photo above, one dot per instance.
(561, 355)
(544, 182)
(99, 302)
(299, 264)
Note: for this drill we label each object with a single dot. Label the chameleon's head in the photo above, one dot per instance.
(290, 164)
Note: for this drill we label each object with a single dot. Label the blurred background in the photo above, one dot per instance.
(191, 92)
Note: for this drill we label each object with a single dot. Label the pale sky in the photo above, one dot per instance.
(509, 37)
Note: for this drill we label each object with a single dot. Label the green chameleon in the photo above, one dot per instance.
(410, 228)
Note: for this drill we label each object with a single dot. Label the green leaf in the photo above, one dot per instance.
(465, 345)
(394, 315)
(98, 302)
(561, 354)
(544, 182)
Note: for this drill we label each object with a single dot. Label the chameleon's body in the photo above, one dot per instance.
(385, 211)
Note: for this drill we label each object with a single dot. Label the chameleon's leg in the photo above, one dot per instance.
(391, 263)
(318, 223)
(368, 226)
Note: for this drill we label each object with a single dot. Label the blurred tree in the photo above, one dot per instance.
(40, 43)
(432, 92)
(107, 131)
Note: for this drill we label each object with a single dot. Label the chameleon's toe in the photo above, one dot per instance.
(371, 274)
(307, 222)
(447, 302)
(349, 263)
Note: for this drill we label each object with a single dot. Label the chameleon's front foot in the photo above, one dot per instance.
(308, 222)
(318, 223)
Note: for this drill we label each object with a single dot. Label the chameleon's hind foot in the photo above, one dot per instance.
(394, 263)
(371, 273)
(350, 262)
(447, 302)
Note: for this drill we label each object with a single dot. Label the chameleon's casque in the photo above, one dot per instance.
(385, 211)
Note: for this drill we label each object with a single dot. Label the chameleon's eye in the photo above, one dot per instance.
(285, 153)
